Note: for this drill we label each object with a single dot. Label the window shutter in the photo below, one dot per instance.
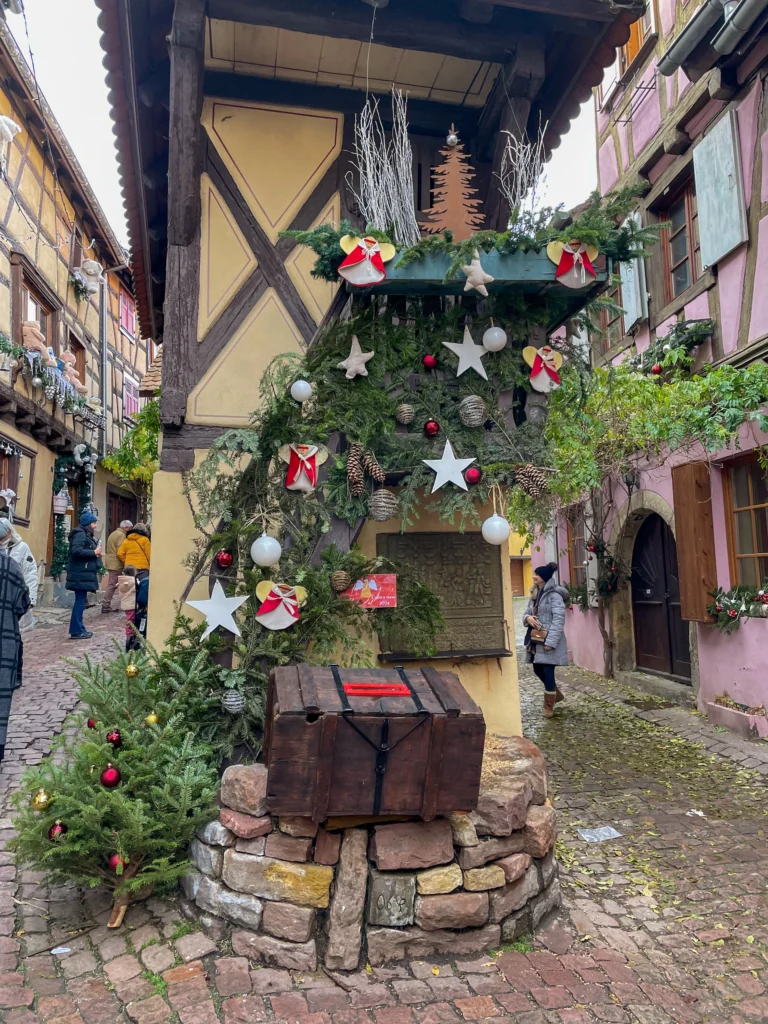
(695, 536)
(634, 294)
(593, 567)
(720, 191)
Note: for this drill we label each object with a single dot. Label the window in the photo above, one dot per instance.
(749, 511)
(640, 32)
(78, 351)
(682, 250)
(33, 309)
(130, 398)
(612, 320)
(577, 552)
(77, 249)
(17, 471)
(127, 314)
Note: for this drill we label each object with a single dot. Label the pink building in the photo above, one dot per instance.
(686, 109)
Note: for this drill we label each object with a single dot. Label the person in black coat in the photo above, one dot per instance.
(82, 571)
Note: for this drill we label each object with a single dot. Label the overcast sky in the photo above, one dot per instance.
(64, 39)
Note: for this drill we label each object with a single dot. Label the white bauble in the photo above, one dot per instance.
(266, 550)
(301, 391)
(496, 530)
(494, 339)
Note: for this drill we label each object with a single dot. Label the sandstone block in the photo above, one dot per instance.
(515, 896)
(412, 844)
(245, 825)
(522, 757)
(502, 806)
(545, 902)
(327, 847)
(514, 866)
(482, 879)
(540, 831)
(490, 849)
(215, 927)
(253, 846)
(386, 944)
(391, 898)
(516, 924)
(244, 788)
(464, 832)
(439, 880)
(548, 868)
(305, 884)
(288, 847)
(234, 906)
(190, 883)
(287, 921)
(345, 920)
(215, 834)
(294, 826)
(208, 859)
(295, 956)
(456, 910)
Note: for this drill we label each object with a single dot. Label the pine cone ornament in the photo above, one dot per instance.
(355, 471)
(405, 413)
(532, 480)
(341, 581)
(373, 469)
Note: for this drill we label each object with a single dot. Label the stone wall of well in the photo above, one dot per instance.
(294, 894)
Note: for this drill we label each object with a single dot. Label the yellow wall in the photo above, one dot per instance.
(518, 546)
(36, 534)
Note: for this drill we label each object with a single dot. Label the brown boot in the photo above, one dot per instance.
(549, 704)
(558, 696)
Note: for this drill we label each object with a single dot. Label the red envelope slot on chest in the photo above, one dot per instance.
(376, 690)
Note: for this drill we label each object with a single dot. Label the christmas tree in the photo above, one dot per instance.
(126, 789)
(453, 210)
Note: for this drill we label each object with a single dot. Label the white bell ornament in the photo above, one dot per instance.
(265, 550)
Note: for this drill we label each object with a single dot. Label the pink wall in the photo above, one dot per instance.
(730, 277)
(747, 118)
(667, 15)
(646, 116)
(607, 165)
(758, 325)
(764, 181)
(734, 663)
(701, 120)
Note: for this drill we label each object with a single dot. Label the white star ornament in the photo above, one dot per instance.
(448, 469)
(355, 362)
(218, 610)
(470, 355)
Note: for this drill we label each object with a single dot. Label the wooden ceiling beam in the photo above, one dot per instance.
(592, 10)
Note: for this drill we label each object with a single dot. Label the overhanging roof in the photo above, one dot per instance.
(581, 37)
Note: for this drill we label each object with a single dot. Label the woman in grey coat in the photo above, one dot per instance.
(546, 610)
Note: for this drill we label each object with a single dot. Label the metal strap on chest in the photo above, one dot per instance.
(383, 747)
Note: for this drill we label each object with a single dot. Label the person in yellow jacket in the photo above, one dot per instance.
(112, 563)
(135, 550)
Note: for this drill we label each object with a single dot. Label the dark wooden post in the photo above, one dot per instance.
(184, 169)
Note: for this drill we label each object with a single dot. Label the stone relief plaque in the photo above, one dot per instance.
(465, 573)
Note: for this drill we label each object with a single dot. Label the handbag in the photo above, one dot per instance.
(538, 636)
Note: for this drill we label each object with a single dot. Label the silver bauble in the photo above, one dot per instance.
(383, 505)
(472, 411)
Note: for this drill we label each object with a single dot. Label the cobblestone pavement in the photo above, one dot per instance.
(666, 923)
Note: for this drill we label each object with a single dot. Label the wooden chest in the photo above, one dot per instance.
(371, 742)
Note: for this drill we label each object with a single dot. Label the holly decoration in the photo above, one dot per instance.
(114, 737)
(115, 862)
(110, 777)
(131, 670)
(473, 475)
(729, 607)
(40, 800)
(57, 830)
(431, 428)
(224, 559)
(429, 362)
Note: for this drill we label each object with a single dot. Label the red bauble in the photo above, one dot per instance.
(56, 831)
(429, 362)
(591, 547)
(110, 777)
(115, 862)
(473, 475)
(718, 607)
(656, 369)
(224, 559)
(732, 614)
(114, 737)
(91, 723)
(431, 428)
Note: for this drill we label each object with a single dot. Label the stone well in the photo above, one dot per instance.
(294, 893)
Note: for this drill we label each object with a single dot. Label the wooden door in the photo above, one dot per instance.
(661, 635)
(518, 577)
(120, 508)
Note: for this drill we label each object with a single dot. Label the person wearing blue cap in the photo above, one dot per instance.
(83, 571)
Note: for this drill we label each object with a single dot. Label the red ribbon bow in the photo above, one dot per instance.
(298, 462)
(575, 258)
(285, 596)
(540, 364)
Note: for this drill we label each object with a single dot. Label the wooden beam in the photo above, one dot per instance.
(476, 12)
(156, 175)
(520, 79)
(593, 10)
(185, 160)
(155, 88)
(415, 26)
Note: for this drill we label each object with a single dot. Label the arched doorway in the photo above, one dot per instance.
(661, 636)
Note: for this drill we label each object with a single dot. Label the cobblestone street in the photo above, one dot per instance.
(665, 923)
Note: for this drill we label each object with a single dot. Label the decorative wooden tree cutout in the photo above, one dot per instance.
(454, 209)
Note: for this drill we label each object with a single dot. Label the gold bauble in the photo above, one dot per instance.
(131, 670)
(152, 718)
(40, 800)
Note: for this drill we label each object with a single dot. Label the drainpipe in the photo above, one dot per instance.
(738, 24)
(705, 18)
(103, 317)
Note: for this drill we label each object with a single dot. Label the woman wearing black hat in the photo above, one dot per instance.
(545, 632)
